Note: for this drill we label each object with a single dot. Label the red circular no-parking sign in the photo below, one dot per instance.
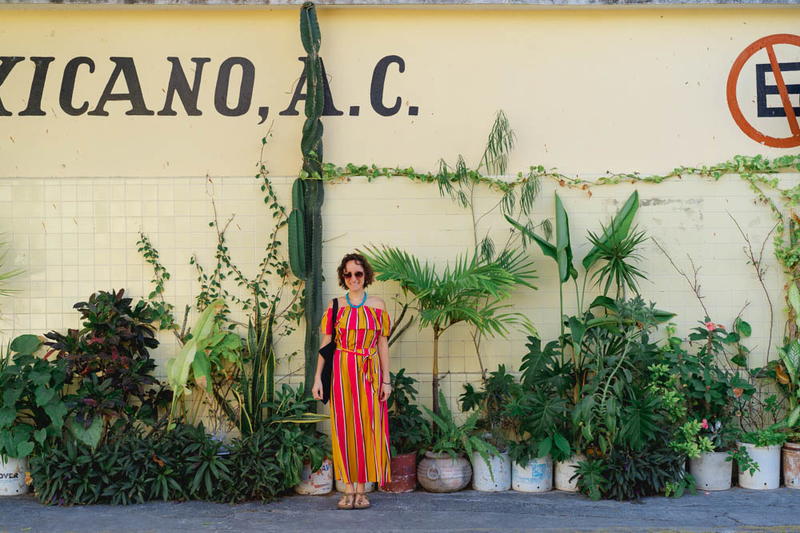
(766, 43)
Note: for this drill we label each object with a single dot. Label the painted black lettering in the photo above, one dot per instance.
(34, 108)
(7, 63)
(328, 108)
(68, 85)
(378, 84)
(245, 88)
(127, 68)
(180, 85)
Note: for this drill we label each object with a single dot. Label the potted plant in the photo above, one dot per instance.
(444, 467)
(408, 430)
(759, 459)
(32, 412)
(302, 453)
(495, 426)
(785, 372)
(609, 263)
(708, 396)
(541, 414)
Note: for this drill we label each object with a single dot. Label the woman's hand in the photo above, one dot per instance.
(386, 391)
(316, 390)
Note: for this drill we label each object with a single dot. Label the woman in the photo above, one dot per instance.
(360, 383)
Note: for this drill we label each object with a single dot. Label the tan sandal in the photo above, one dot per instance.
(346, 502)
(361, 501)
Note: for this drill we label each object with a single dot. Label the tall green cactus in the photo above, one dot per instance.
(305, 220)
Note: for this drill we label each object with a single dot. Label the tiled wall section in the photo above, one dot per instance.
(76, 236)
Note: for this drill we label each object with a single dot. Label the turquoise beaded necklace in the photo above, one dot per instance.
(347, 297)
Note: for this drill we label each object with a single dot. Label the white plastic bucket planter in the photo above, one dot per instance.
(12, 476)
(565, 470)
(369, 486)
(318, 482)
(711, 471)
(768, 475)
(499, 466)
(536, 476)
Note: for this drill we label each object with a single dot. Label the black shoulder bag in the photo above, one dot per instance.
(327, 354)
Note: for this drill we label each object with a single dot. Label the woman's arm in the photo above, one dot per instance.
(383, 354)
(316, 390)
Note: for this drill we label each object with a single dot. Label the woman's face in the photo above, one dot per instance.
(353, 276)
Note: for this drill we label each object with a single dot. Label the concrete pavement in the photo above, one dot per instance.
(466, 511)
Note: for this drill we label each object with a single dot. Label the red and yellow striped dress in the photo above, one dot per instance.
(359, 420)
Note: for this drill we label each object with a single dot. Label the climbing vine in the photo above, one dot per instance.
(759, 172)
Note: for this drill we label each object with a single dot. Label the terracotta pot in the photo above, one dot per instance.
(791, 465)
(438, 472)
(404, 473)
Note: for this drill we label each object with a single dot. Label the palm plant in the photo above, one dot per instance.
(7, 275)
(457, 293)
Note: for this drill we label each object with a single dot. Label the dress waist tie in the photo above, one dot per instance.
(369, 367)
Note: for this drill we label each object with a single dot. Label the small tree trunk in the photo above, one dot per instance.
(436, 333)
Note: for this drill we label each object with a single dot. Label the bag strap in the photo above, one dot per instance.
(334, 317)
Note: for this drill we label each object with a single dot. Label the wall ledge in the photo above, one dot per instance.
(417, 3)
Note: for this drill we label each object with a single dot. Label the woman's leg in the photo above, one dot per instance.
(361, 501)
(348, 498)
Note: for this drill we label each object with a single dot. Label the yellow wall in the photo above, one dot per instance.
(586, 90)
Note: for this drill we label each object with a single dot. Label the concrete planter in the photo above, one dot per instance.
(12, 476)
(494, 477)
(768, 475)
(791, 465)
(438, 472)
(318, 482)
(564, 472)
(711, 471)
(536, 476)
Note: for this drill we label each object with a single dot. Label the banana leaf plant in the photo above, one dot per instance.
(615, 245)
(192, 356)
(785, 370)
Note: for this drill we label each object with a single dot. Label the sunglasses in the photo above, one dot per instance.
(349, 275)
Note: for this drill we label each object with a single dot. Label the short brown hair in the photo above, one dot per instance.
(369, 275)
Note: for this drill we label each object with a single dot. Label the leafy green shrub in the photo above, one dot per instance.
(491, 400)
(108, 365)
(406, 425)
(541, 405)
(256, 473)
(181, 464)
(627, 474)
(453, 439)
(32, 410)
(298, 441)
